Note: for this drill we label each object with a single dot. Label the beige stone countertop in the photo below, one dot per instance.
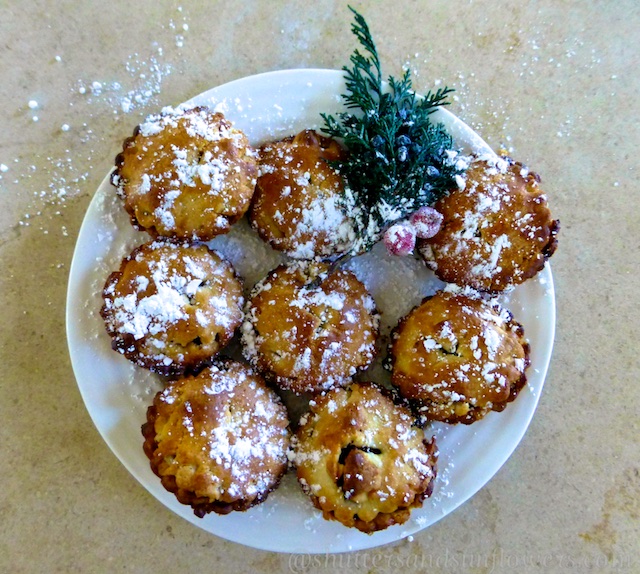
(555, 83)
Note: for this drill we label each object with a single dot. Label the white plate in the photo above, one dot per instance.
(116, 394)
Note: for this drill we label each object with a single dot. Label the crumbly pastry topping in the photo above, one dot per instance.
(306, 337)
(186, 173)
(457, 357)
(218, 441)
(497, 230)
(362, 460)
(300, 206)
(172, 306)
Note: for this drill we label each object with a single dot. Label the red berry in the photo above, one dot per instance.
(400, 239)
(426, 221)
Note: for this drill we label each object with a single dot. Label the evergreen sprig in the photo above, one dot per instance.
(399, 160)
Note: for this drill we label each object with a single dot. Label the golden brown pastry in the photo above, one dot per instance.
(362, 460)
(299, 205)
(456, 358)
(219, 440)
(186, 174)
(171, 306)
(309, 338)
(497, 231)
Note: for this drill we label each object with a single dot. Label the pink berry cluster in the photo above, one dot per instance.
(400, 238)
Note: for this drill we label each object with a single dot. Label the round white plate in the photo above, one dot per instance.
(116, 394)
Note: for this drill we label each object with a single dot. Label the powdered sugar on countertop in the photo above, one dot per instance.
(45, 181)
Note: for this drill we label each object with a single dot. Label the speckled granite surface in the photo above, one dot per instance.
(555, 83)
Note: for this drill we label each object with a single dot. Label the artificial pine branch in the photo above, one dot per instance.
(399, 160)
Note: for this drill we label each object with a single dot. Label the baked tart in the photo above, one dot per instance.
(299, 205)
(172, 306)
(456, 358)
(218, 440)
(497, 230)
(361, 458)
(308, 330)
(186, 174)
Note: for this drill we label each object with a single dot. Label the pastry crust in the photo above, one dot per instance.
(497, 231)
(186, 174)
(219, 440)
(172, 306)
(308, 338)
(456, 358)
(362, 460)
(299, 205)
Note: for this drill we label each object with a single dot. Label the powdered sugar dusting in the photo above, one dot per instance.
(151, 314)
(383, 460)
(174, 293)
(244, 439)
(310, 337)
(300, 206)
